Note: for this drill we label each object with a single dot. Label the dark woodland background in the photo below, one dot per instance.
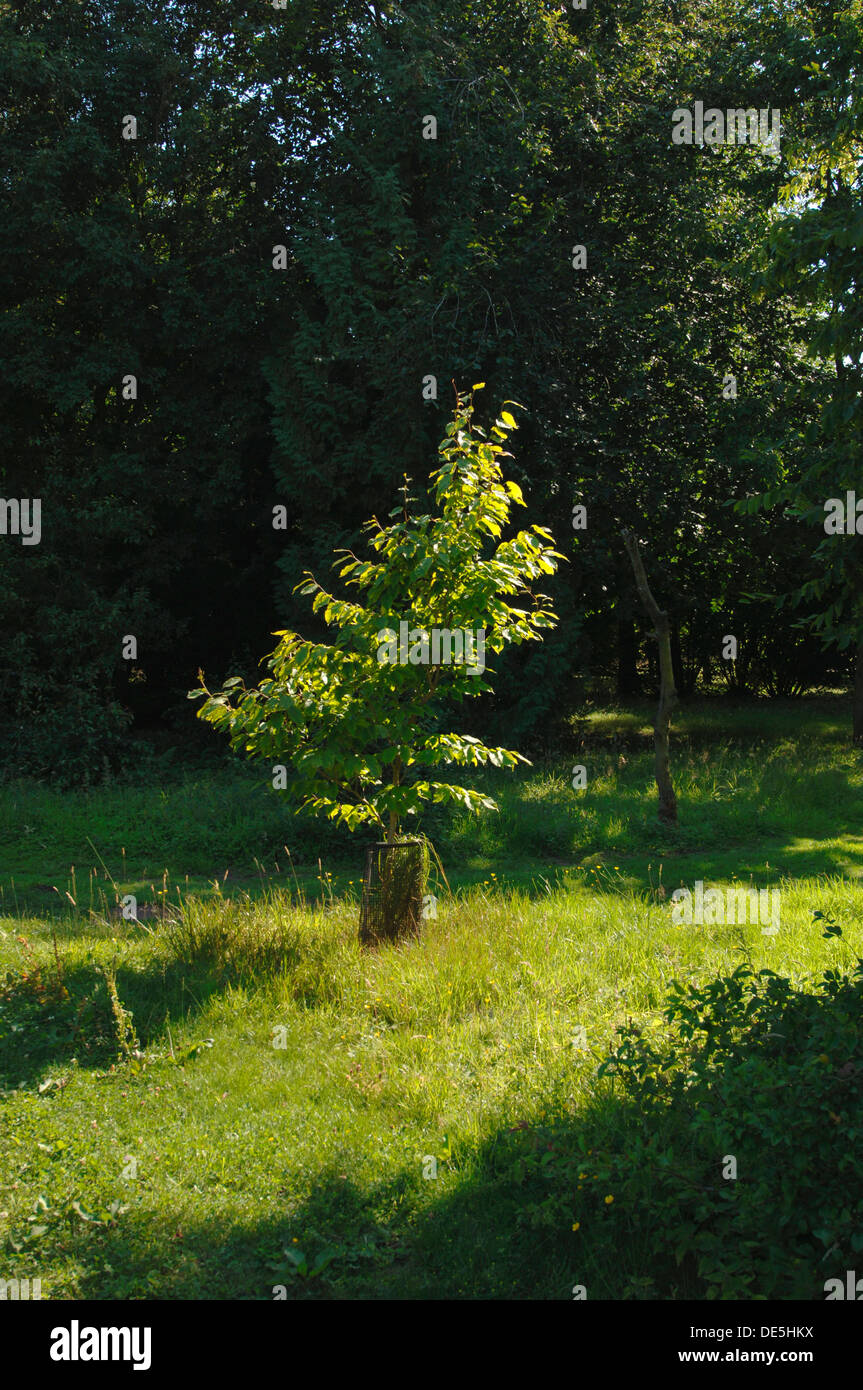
(409, 257)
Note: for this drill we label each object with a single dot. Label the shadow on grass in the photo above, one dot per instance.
(717, 1161)
(478, 1241)
(744, 806)
(783, 817)
(44, 1024)
(45, 901)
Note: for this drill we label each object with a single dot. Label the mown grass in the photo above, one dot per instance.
(282, 1092)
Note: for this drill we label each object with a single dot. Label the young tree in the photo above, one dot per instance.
(356, 722)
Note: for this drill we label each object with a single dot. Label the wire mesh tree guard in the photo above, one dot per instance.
(394, 882)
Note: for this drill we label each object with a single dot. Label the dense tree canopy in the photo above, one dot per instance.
(289, 250)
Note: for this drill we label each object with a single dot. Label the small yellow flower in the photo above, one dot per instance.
(575, 1225)
(608, 1201)
(295, 1241)
(582, 1175)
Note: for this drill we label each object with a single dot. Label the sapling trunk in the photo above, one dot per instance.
(393, 831)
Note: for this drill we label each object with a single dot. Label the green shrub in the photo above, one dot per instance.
(750, 1067)
(770, 1073)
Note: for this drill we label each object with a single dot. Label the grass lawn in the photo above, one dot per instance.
(232, 1098)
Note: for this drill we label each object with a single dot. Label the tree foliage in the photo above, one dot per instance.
(357, 723)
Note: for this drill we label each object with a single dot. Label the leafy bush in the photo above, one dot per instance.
(69, 738)
(749, 1066)
(770, 1073)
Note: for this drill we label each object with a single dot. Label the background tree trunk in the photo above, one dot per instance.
(667, 691)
